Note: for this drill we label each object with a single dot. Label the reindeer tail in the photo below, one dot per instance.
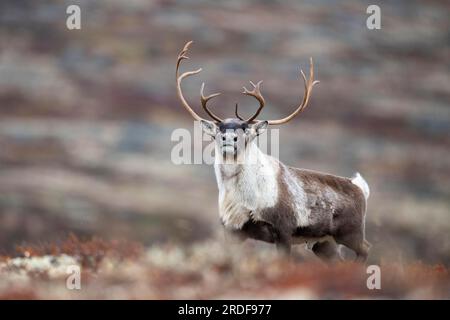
(362, 184)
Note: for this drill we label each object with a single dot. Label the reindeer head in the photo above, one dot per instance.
(234, 135)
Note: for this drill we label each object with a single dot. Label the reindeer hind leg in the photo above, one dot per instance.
(363, 252)
(357, 243)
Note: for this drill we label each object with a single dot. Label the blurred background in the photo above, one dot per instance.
(86, 115)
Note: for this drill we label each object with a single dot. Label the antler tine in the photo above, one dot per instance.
(256, 93)
(204, 100)
(182, 56)
(309, 84)
(237, 114)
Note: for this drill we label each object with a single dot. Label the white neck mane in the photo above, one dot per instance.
(246, 188)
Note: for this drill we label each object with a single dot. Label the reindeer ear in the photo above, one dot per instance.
(209, 127)
(259, 127)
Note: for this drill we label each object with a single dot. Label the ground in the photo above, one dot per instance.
(207, 270)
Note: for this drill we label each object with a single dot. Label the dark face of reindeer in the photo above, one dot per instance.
(232, 136)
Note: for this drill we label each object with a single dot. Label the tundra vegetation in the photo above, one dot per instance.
(127, 270)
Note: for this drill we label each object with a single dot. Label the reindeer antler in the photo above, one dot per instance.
(204, 100)
(308, 89)
(182, 56)
(256, 93)
(237, 114)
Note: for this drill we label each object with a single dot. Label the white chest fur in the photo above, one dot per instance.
(246, 189)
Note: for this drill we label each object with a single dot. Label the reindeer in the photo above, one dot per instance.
(263, 199)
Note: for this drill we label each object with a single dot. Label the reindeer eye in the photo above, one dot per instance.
(235, 139)
(223, 138)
